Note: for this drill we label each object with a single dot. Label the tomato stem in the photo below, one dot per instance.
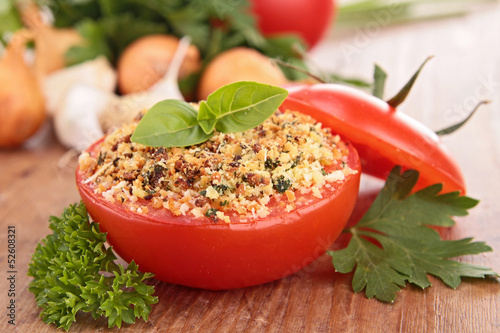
(278, 61)
(401, 95)
(325, 77)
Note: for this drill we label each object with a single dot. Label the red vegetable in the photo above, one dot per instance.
(308, 19)
(198, 253)
(382, 136)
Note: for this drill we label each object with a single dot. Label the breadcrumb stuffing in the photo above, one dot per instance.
(237, 175)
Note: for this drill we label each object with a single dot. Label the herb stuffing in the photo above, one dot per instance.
(228, 176)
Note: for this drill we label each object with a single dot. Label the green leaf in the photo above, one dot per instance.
(68, 13)
(297, 69)
(379, 77)
(235, 107)
(109, 35)
(393, 244)
(170, 123)
(244, 105)
(10, 20)
(286, 46)
(206, 118)
(67, 269)
(121, 30)
(95, 44)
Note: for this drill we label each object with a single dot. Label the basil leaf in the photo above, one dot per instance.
(170, 123)
(236, 107)
(240, 106)
(206, 118)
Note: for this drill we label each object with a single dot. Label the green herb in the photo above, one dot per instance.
(296, 162)
(101, 158)
(211, 212)
(67, 267)
(170, 123)
(95, 45)
(409, 249)
(232, 108)
(10, 19)
(221, 188)
(214, 26)
(271, 164)
(109, 36)
(379, 77)
(240, 106)
(301, 70)
(282, 184)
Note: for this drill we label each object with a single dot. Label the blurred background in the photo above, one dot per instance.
(80, 68)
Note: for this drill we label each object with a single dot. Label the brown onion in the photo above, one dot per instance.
(22, 107)
(146, 60)
(238, 64)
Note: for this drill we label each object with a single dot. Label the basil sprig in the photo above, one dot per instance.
(235, 107)
(170, 123)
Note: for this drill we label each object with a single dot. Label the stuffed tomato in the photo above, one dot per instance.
(238, 210)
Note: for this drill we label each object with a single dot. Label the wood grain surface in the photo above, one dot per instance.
(38, 180)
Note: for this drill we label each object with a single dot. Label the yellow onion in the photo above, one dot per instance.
(144, 62)
(22, 107)
(238, 64)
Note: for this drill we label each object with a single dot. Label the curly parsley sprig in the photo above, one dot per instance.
(68, 266)
(409, 248)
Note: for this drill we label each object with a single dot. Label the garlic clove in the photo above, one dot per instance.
(76, 121)
(97, 73)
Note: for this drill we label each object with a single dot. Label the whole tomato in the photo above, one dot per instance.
(309, 19)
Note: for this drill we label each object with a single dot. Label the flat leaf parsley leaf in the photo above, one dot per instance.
(67, 267)
(408, 249)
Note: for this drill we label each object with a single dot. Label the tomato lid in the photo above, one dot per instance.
(382, 136)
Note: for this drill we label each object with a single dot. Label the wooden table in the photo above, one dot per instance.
(37, 181)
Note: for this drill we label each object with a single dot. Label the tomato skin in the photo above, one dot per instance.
(382, 136)
(310, 19)
(198, 253)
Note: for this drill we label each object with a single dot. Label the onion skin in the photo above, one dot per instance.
(51, 45)
(238, 64)
(145, 61)
(22, 105)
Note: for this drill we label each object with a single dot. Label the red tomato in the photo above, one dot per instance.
(310, 19)
(198, 253)
(382, 136)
